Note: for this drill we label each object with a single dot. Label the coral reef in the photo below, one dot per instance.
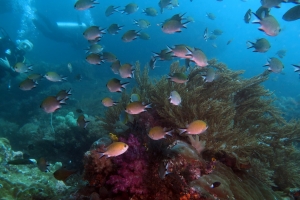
(27, 181)
(246, 131)
(132, 169)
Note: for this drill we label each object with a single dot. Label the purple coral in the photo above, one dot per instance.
(132, 169)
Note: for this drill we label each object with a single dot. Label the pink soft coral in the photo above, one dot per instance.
(132, 168)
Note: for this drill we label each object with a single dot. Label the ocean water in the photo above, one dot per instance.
(20, 107)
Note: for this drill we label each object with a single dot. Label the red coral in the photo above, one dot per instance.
(96, 170)
(132, 168)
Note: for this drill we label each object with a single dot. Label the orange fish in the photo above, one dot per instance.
(136, 107)
(108, 102)
(115, 149)
(194, 128)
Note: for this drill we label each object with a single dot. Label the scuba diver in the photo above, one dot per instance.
(11, 52)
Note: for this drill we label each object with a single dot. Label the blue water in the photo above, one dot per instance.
(229, 18)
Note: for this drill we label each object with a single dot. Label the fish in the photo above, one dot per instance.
(114, 29)
(268, 24)
(181, 51)
(292, 14)
(94, 59)
(93, 33)
(281, 53)
(28, 84)
(115, 85)
(194, 128)
(82, 122)
(142, 23)
(164, 4)
(157, 133)
(63, 94)
(215, 184)
(115, 149)
(110, 10)
(85, 4)
(22, 67)
(35, 77)
(210, 75)
(150, 11)
(212, 37)
(262, 12)
(164, 54)
(271, 3)
(109, 57)
(211, 16)
(115, 66)
(214, 45)
(178, 77)
(175, 98)
(126, 71)
(54, 77)
(152, 63)
(130, 35)
(94, 48)
(144, 36)
(205, 35)
(43, 165)
(274, 65)
(70, 68)
(261, 45)
(21, 162)
(198, 57)
(174, 3)
(171, 26)
(62, 174)
(217, 32)
(247, 16)
(130, 8)
(296, 68)
(190, 19)
(135, 97)
(229, 41)
(108, 102)
(136, 107)
(51, 104)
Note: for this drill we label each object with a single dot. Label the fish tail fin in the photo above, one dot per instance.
(64, 78)
(170, 133)
(148, 106)
(124, 85)
(296, 68)
(250, 44)
(185, 23)
(182, 130)
(30, 67)
(101, 155)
